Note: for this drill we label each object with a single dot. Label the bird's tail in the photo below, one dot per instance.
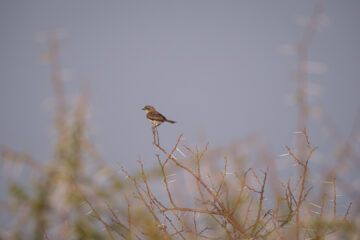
(170, 121)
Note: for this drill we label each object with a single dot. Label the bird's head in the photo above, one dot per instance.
(148, 108)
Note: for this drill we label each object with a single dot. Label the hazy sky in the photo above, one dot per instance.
(216, 67)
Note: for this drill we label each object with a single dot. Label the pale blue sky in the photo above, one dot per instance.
(215, 67)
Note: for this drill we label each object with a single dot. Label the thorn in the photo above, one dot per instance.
(284, 155)
(182, 154)
(315, 205)
(327, 182)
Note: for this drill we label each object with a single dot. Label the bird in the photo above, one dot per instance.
(155, 117)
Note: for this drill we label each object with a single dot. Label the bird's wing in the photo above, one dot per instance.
(155, 116)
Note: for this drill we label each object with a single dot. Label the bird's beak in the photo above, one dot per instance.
(143, 108)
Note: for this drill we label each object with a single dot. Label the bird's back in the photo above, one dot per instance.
(154, 115)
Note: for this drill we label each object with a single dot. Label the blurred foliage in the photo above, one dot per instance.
(187, 196)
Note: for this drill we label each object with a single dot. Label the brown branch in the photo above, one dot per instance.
(306, 137)
(302, 196)
(243, 185)
(347, 211)
(193, 210)
(334, 185)
(294, 157)
(261, 201)
(292, 197)
(177, 232)
(256, 177)
(322, 205)
(225, 212)
(138, 187)
(195, 223)
(166, 183)
(247, 212)
(97, 215)
(172, 152)
(118, 222)
(129, 213)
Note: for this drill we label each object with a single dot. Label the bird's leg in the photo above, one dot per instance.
(153, 131)
(157, 133)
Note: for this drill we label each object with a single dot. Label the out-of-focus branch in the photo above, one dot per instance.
(301, 74)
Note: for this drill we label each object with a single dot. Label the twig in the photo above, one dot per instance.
(225, 212)
(129, 213)
(107, 227)
(172, 152)
(166, 183)
(261, 201)
(193, 210)
(347, 211)
(334, 185)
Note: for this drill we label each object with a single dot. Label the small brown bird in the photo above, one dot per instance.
(155, 117)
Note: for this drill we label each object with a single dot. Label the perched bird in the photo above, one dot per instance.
(155, 117)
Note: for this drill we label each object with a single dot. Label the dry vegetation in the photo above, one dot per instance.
(192, 193)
